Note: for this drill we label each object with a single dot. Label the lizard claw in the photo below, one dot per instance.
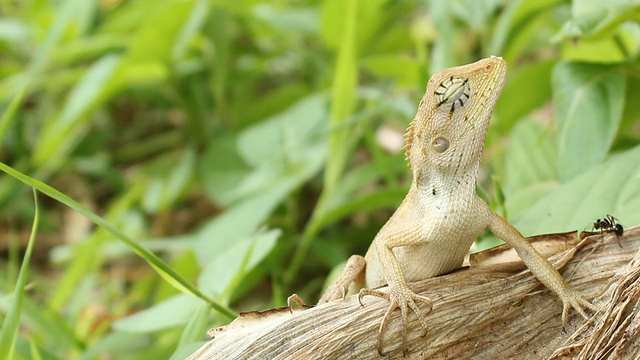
(574, 299)
(404, 299)
(294, 298)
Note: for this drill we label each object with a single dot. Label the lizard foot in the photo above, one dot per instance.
(294, 298)
(574, 299)
(404, 299)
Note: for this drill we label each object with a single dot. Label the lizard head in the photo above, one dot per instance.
(448, 132)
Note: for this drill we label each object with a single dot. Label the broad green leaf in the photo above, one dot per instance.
(609, 188)
(184, 351)
(196, 326)
(288, 138)
(231, 263)
(287, 148)
(222, 169)
(175, 311)
(281, 153)
(530, 157)
(387, 198)
(594, 17)
(124, 345)
(588, 102)
(513, 104)
(629, 132)
(616, 48)
(529, 29)
(9, 330)
(237, 222)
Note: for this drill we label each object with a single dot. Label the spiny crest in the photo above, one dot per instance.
(408, 138)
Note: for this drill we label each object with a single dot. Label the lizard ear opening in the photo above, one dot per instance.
(440, 144)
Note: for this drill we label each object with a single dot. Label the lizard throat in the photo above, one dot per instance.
(439, 185)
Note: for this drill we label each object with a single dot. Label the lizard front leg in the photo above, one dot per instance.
(399, 294)
(540, 267)
(352, 273)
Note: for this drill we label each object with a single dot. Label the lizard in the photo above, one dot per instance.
(431, 231)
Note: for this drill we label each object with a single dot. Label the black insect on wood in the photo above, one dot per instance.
(608, 224)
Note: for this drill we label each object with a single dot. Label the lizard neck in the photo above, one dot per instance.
(446, 184)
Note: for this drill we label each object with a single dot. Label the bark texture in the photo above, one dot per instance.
(492, 310)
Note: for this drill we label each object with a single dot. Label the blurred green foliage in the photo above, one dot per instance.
(240, 142)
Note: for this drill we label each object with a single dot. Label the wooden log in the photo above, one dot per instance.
(482, 312)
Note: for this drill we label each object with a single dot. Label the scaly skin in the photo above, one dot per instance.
(441, 216)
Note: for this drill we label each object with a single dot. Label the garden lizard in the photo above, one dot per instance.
(434, 227)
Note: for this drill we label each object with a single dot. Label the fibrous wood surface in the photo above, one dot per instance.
(493, 310)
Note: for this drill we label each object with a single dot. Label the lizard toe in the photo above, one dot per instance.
(420, 314)
(377, 293)
(406, 302)
(577, 301)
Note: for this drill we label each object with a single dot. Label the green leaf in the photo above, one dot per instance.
(531, 157)
(156, 263)
(339, 26)
(610, 188)
(594, 17)
(234, 260)
(530, 165)
(165, 187)
(10, 325)
(616, 48)
(175, 311)
(588, 103)
(279, 150)
(155, 39)
(9, 115)
(300, 20)
(403, 69)
(343, 100)
(513, 105)
(196, 326)
(63, 132)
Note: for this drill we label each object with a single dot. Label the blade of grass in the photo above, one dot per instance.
(156, 263)
(343, 99)
(8, 115)
(12, 321)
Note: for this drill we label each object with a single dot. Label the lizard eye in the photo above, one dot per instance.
(440, 144)
(454, 91)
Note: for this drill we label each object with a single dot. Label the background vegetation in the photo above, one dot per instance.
(254, 145)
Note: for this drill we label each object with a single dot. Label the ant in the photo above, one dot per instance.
(606, 224)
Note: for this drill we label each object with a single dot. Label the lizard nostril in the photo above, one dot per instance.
(488, 67)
